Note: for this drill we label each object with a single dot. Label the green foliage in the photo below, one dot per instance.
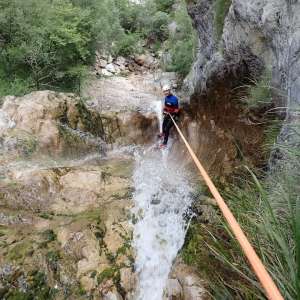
(154, 25)
(182, 57)
(269, 214)
(48, 236)
(46, 44)
(128, 45)
(16, 86)
(182, 43)
(147, 20)
(164, 5)
(49, 44)
(221, 8)
(129, 13)
(271, 134)
(259, 92)
(106, 274)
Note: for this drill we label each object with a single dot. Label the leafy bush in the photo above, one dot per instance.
(46, 40)
(16, 86)
(182, 43)
(164, 5)
(129, 44)
(182, 57)
(50, 43)
(155, 26)
(129, 14)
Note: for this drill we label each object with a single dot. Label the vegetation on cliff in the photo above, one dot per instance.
(49, 44)
(265, 204)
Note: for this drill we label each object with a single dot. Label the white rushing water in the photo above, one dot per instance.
(162, 199)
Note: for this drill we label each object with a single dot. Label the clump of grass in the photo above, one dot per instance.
(271, 134)
(269, 212)
(221, 8)
(106, 274)
(259, 92)
(49, 235)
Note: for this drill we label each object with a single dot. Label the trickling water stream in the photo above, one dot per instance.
(162, 198)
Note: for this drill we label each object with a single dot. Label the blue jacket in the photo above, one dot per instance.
(171, 101)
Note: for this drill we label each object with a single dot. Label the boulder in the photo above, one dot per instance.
(112, 295)
(106, 73)
(140, 59)
(53, 123)
(109, 59)
(192, 287)
(146, 60)
(128, 279)
(174, 290)
(120, 61)
(5, 122)
(102, 63)
(111, 68)
(169, 78)
(133, 67)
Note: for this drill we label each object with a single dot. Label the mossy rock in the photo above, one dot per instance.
(108, 273)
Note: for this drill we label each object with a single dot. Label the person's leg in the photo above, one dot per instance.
(164, 126)
(168, 123)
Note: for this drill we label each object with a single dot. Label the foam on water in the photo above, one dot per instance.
(157, 107)
(162, 198)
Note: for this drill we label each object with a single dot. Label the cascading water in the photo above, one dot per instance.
(162, 198)
(157, 106)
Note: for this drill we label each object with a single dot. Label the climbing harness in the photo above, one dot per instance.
(265, 279)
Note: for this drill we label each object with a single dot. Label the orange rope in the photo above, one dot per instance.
(257, 265)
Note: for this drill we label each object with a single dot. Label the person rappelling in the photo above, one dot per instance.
(171, 108)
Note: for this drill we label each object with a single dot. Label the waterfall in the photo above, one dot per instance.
(162, 199)
(157, 107)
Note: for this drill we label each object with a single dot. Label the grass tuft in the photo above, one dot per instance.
(268, 210)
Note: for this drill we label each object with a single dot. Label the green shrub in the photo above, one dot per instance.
(164, 5)
(221, 8)
(108, 273)
(17, 86)
(46, 40)
(182, 57)
(156, 27)
(128, 13)
(129, 44)
(182, 43)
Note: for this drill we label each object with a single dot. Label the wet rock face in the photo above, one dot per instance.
(64, 222)
(184, 284)
(221, 132)
(51, 123)
(256, 35)
(65, 230)
(58, 124)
